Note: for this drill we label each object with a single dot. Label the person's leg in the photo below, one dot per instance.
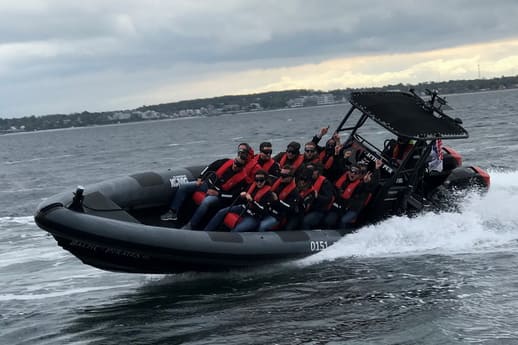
(202, 210)
(294, 222)
(217, 220)
(267, 223)
(246, 224)
(312, 220)
(331, 220)
(184, 191)
(347, 219)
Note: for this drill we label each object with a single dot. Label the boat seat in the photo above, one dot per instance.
(97, 204)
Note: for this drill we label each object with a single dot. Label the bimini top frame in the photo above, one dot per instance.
(405, 114)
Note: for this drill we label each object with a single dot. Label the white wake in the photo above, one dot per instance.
(485, 223)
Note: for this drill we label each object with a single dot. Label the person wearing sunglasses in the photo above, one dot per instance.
(263, 161)
(311, 154)
(286, 198)
(354, 190)
(251, 212)
(291, 156)
(320, 196)
(220, 183)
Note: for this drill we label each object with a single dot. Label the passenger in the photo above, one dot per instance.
(253, 214)
(330, 159)
(342, 162)
(317, 137)
(317, 197)
(245, 151)
(398, 150)
(310, 154)
(354, 189)
(264, 161)
(291, 156)
(286, 198)
(230, 180)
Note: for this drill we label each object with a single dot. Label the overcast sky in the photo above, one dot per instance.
(98, 55)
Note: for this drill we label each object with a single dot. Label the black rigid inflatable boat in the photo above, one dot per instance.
(115, 225)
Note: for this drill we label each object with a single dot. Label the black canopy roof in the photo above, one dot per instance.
(406, 114)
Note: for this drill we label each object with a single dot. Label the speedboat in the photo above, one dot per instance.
(115, 225)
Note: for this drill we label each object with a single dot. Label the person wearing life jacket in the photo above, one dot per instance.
(245, 152)
(253, 209)
(286, 198)
(327, 154)
(354, 189)
(317, 196)
(398, 150)
(228, 182)
(263, 161)
(291, 156)
(310, 154)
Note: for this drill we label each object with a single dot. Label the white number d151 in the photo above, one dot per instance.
(317, 246)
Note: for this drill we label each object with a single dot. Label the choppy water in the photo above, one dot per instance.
(446, 278)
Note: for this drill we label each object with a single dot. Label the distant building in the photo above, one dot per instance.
(119, 116)
(296, 102)
(325, 98)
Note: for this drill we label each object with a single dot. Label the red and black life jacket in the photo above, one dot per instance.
(328, 163)
(349, 189)
(295, 165)
(283, 194)
(316, 188)
(401, 151)
(234, 180)
(259, 193)
(254, 166)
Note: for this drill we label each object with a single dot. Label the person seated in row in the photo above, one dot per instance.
(354, 189)
(316, 194)
(245, 152)
(328, 155)
(263, 161)
(291, 156)
(286, 198)
(227, 180)
(252, 212)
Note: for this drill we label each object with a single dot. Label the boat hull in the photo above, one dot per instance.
(107, 237)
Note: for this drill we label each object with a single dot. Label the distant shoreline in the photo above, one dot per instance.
(163, 112)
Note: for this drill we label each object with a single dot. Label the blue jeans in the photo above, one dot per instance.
(247, 223)
(347, 219)
(267, 223)
(331, 219)
(312, 220)
(209, 202)
(218, 218)
(185, 190)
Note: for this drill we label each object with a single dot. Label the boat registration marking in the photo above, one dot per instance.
(317, 246)
(106, 250)
(177, 180)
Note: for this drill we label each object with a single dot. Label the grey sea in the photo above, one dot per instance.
(448, 278)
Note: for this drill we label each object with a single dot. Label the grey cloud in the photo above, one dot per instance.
(95, 38)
